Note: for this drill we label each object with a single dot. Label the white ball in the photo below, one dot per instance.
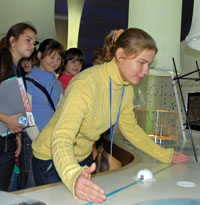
(144, 174)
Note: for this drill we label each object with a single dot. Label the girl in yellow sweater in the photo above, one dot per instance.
(96, 99)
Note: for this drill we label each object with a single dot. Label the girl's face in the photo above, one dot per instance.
(27, 65)
(73, 67)
(24, 45)
(132, 69)
(50, 62)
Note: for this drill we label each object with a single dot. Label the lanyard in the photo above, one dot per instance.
(17, 68)
(112, 132)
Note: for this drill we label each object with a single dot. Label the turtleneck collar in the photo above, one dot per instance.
(41, 74)
(111, 70)
(66, 75)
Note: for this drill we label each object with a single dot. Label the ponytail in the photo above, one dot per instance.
(109, 45)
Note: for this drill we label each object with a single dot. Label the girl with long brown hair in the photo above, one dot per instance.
(19, 42)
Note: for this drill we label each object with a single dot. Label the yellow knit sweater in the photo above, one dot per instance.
(84, 113)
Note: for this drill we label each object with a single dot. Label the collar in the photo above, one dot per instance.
(67, 76)
(41, 74)
(111, 69)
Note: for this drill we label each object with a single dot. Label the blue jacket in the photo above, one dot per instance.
(41, 108)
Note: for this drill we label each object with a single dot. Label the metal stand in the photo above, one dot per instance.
(178, 106)
(177, 78)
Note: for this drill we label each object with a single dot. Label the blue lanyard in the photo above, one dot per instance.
(15, 69)
(112, 132)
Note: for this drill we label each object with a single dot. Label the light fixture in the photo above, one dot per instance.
(165, 30)
(193, 38)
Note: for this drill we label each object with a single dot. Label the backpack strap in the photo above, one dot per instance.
(43, 89)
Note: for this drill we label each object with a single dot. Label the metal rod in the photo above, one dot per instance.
(184, 107)
(196, 79)
(198, 68)
(178, 105)
(182, 76)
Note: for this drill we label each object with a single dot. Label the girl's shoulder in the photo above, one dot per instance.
(59, 85)
(90, 73)
(34, 72)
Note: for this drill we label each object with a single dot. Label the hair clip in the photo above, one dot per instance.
(116, 34)
(39, 43)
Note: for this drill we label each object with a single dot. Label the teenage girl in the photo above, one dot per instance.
(19, 42)
(50, 55)
(48, 58)
(27, 63)
(87, 110)
(25, 177)
(73, 63)
(97, 56)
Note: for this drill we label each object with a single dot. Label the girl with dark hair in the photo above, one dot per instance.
(95, 100)
(50, 55)
(27, 63)
(97, 55)
(47, 59)
(19, 42)
(73, 63)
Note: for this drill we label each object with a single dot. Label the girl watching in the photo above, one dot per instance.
(73, 63)
(86, 111)
(50, 55)
(19, 42)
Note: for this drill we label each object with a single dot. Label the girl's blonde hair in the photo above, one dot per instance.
(132, 40)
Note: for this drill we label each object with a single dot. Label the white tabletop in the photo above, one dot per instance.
(121, 186)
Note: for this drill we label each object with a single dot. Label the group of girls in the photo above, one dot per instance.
(63, 139)
(19, 57)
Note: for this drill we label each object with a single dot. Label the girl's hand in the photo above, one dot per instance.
(179, 158)
(87, 190)
(12, 123)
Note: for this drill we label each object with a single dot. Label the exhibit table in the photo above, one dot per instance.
(171, 184)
